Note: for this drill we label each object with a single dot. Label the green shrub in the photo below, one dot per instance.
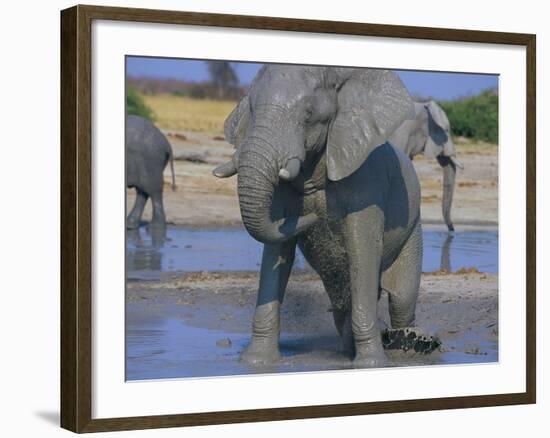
(474, 117)
(136, 105)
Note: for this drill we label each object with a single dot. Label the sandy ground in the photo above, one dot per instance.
(474, 292)
(201, 199)
(461, 309)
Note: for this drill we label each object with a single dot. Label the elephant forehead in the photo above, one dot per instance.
(286, 83)
(306, 74)
(283, 95)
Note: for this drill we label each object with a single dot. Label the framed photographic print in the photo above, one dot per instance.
(268, 218)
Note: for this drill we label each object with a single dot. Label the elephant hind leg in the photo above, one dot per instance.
(156, 192)
(402, 281)
(341, 312)
(338, 287)
(134, 218)
(159, 218)
(348, 342)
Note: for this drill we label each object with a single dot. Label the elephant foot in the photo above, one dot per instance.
(157, 224)
(132, 224)
(370, 355)
(261, 352)
(410, 339)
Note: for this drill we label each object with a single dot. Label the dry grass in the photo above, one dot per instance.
(186, 114)
(198, 115)
(465, 146)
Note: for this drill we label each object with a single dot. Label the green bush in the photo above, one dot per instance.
(136, 105)
(474, 117)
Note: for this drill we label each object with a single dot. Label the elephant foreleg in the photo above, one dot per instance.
(364, 244)
(134, 218)
(277, 263)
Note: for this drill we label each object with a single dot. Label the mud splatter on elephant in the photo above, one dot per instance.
(315, 169)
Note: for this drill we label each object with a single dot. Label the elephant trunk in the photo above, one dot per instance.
(258, 176)
(449, 175)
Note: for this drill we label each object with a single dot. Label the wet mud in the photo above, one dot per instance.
(196, 324)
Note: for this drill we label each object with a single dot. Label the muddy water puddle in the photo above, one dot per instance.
(199, 329)
(170, 348)
(149, 253)
(166, 345)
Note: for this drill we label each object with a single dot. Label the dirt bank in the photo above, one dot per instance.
(203, 200)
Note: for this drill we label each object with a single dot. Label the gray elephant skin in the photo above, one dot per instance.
(314, 169)
(429, 132)
(147, 153)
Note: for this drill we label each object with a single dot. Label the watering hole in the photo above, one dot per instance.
(165, 345)
(191, 295)
(176, 249)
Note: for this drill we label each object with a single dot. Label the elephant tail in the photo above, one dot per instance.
(171, 158)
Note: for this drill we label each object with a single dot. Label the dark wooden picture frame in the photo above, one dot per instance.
(76, 218)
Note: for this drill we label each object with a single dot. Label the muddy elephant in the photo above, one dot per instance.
(429, 133)
(147, 153)
(314, 170)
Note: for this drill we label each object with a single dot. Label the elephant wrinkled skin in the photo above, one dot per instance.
(147, 153)
(314, 169)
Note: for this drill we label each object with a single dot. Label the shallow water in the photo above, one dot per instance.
(177, 249)
(165, 340)
(165, 346)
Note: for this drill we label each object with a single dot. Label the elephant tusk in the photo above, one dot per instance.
(291, 170)
(225, 170)
(457, 163)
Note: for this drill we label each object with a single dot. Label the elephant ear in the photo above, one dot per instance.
(438, 140)
(236, 124)
(371, 105)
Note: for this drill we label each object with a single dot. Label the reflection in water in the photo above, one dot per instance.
(147, 250)
(466, 249)
(175, 249)
(446, 253)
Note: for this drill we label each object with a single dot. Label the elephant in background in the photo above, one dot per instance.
(147, 153)
(314, 170)
(429, 132)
